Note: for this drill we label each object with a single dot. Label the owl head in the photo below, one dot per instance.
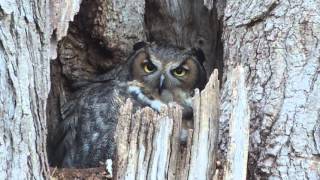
(171, 73)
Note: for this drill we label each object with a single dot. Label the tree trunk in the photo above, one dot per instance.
(271, 70)
(276, 43)
(25, 44)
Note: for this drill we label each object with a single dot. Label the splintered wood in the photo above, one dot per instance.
(148, 143)
(237, 156)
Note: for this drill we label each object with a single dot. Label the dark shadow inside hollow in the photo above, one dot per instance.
(187, 24)
(85, 55)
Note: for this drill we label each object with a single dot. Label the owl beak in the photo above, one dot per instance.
(161, 85)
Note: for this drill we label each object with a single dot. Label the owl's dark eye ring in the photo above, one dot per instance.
(179, 72)
(148, 67)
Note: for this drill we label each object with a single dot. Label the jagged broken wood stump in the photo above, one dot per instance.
(238, 146)
(148, 144)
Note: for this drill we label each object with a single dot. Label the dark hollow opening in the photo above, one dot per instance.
(85, 54)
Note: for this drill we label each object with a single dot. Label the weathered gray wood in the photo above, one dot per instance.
(25, 30)
(61, 13)
(148, 143)
(237, 152)
(277, 44)
(144, 142)
(206, 127)
(184, 158)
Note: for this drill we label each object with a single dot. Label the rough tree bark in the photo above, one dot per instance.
(25, 28)
(277, 45)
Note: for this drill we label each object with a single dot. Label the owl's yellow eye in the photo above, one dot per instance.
(149, 67)
(179, 72)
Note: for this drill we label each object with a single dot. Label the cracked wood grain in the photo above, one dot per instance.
(237, 155)
(148, 143)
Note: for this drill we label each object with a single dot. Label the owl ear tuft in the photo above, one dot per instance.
(198, 53)
(139, 45)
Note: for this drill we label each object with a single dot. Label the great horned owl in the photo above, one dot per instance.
(158, 74)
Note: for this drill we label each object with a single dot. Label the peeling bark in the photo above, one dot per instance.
(61, 13)
(277, 44)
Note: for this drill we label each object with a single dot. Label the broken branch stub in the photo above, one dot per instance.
(148, 143)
